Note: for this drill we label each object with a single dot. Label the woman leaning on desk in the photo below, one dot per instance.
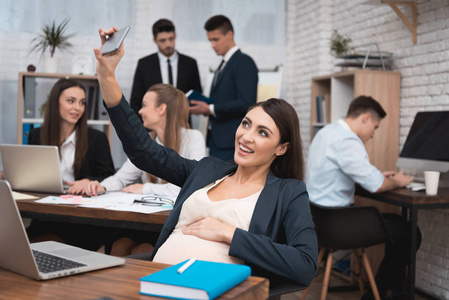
(254, 211)
(84, 153)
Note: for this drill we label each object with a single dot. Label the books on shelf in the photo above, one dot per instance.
(201, 280)
(322, 109)
(195, 95)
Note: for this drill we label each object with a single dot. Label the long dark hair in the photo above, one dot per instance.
(291, 164)
(51, 127)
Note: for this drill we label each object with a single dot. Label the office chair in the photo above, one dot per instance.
(342, 228)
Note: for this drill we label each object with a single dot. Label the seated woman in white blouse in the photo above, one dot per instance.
(165, 111)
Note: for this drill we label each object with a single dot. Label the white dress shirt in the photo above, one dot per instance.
(67, 157)
(192, 146)
(337, 159)
(164, 67)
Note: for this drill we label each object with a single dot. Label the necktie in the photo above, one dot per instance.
(217, 73)
(170, 73)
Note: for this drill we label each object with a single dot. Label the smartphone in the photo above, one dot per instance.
(114, 41)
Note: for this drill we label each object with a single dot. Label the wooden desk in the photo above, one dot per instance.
(92, 216)
(117, 283)
(410, 202)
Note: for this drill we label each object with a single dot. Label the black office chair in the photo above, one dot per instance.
(341, 228)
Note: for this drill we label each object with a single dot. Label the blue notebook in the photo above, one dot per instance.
(202, 280)
(195, 95)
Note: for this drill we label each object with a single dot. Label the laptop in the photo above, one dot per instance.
(32, 168)
(31, 260)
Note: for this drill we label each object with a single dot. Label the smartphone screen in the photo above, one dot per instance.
(114, 41)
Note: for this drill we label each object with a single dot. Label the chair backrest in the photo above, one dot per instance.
(348, 227)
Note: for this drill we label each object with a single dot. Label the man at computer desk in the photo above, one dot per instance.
(338, 160)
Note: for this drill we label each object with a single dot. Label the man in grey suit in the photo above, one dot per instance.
(165, 66)
(233, 91)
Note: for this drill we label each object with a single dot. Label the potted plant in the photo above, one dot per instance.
(52, 37)
(339, 44)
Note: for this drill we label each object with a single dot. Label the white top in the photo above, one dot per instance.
(337, 160)
(164, 66)
(192, 147)
(179, 247)
(67, 157)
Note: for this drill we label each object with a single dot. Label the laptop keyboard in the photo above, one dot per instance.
(47, 263)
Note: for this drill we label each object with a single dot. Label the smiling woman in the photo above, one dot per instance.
(84, 152)
(272, 231)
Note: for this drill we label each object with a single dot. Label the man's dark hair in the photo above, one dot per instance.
(163, 25)
(219, 22)
(364, 104)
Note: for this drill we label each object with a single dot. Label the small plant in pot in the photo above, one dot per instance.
(52, 37)
(340, 44)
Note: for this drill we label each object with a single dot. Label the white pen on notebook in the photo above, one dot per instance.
(186, 265)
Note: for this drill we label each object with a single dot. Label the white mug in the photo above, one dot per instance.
(431, 179)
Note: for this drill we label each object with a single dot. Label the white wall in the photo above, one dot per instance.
(424, 86)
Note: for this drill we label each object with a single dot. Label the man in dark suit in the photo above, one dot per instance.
(165, 66)
(233, 91)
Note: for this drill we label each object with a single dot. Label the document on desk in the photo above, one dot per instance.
(64, 199)
(111, 200)
(125, 202)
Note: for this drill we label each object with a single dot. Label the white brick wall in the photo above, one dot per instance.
(425, 86)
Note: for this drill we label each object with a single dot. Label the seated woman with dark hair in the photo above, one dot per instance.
(254, 211)
(84, 155)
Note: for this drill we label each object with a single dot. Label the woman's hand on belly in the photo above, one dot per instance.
(211, 229)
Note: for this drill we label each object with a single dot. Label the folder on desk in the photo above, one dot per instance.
(202, 280)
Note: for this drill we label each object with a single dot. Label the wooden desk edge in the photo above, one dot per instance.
(407, 198)
(57, 209)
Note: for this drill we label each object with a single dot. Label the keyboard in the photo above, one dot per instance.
(47, 263)
(416, 186)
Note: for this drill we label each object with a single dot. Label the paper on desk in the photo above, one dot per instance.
(97, 202)
(64, 199)
(111, 200)
(123, 202)
(21, 196)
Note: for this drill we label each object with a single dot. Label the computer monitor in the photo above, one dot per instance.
(427, 144)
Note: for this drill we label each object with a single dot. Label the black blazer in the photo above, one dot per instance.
(98, 162)
(148, 73)
(234, 92)
(280, 244)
